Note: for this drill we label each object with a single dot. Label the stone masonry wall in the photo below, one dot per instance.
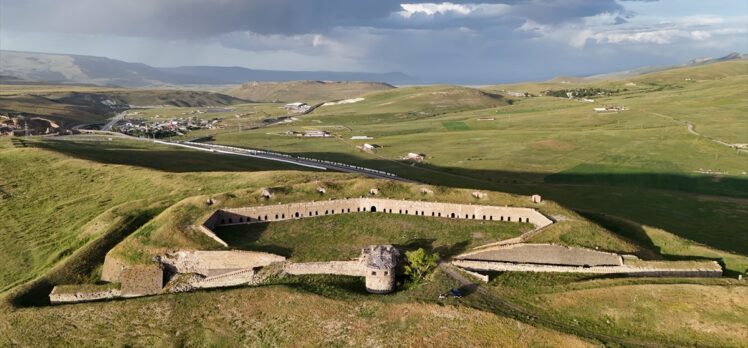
(548, 254)
(349, 268)
(343, 206)
(141, 280)
(706, 269)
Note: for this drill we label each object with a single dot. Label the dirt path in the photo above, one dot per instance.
(692, 129)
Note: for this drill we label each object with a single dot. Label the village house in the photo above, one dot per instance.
(298, 107)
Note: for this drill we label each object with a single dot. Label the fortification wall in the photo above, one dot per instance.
(342, 206)
(57, 297)
(141, 280)
(349, 268)
(547, 254)
(112, 269)
(705, 269)
(212, 263)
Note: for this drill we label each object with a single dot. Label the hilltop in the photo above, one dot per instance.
(68, 68)
(89, 104)
(306, 90)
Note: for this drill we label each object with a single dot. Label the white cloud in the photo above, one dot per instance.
(448, 8)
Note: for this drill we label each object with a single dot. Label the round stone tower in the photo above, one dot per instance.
(380, 262)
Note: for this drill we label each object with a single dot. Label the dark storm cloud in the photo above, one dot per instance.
(206, 18)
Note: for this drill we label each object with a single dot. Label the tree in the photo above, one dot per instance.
(420, 263)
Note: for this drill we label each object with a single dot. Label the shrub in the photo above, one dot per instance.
(419, 264)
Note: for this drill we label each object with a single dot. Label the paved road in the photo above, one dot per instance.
(281, 157)
(117, 117)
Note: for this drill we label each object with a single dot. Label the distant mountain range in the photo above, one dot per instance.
(17, 67)
(67, 68)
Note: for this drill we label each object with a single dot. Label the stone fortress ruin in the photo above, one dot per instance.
(183, 270)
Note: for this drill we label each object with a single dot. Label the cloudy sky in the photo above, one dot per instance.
(456, 41)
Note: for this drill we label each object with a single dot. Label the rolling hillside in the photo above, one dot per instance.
(306, 90)
(75, 105)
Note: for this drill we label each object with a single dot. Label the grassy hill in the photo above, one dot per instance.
(306, 91)
(51, 193)
(694, 185)
(87, 104)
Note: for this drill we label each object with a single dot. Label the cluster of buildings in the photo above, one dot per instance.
(180, 126)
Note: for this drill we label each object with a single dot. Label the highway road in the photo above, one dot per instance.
(117, 117)
(281, 157)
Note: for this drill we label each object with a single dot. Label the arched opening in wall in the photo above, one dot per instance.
(508, 218)
(326, 212)
(453, 215)
(466, 216)
(423, 212)
(241, 219)
(276, 216)
(440, 214)
(223, 221)
(349, 210)
(230, 220)
(283, 216)
(316, 213)
(358, 209)
(502, 218)
(400, 211)
(473, 216)
(259, 218)
(527, 220)
(297, 214)
(390, 210)
(406, 212)
(491, 217)
(266, 217)
(373, 209)
(484, 217)
(310, 213)
(432, 213)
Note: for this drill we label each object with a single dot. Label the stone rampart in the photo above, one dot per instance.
(703, 269)
(300, 210)
(213, 263)
(546, 254)
(112, 269)
(59, 297)
(349, 268)
(141, 280)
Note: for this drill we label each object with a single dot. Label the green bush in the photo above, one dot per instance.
(419, 264)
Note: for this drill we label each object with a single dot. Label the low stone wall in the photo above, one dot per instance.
(349, 268)
(58, 297)
(546, 254)
(213, 263)
(704, 269)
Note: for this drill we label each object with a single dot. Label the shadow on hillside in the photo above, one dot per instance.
(636, 233)
(670, 201)
(163, 158)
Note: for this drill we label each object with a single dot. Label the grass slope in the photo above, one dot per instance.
(306, 91)
(48, 199)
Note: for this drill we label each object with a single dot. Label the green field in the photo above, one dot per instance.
(610, 163)
(310, 239)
